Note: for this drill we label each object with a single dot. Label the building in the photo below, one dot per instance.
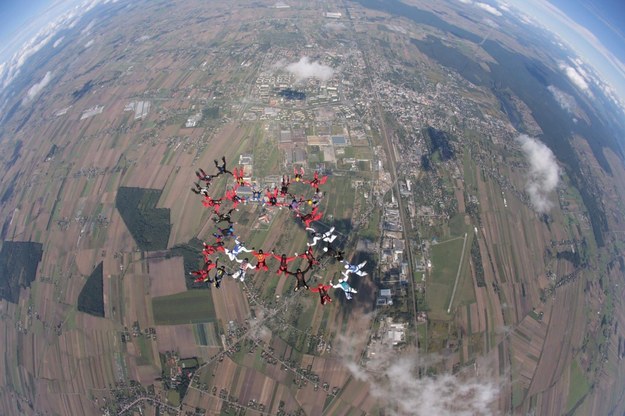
(244, 191)
(246, 159)
(396, 333)
(193, 120)
(339, 141)
(318, 140)
(285, 136)
(385, 298)
(299, 155)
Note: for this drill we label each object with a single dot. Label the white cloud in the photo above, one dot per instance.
(576, 78)
(87, 29)
(566, 101)
(490, 23)
(543, 175)
(36, 89)
(578, 38)
(504, 6)
(89, 43)
(393, 379)
(490, 9)
(58, 41)
(465, 1)
(304, 69)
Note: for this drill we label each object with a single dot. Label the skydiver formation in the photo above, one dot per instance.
(303, 208)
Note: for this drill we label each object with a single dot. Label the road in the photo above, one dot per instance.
(389, 149)
(453, 293)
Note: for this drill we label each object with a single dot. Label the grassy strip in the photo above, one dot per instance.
(190, 307)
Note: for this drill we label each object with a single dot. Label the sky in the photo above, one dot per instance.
(21, 21)
(16, 14)
(605, 19)
(594, 29)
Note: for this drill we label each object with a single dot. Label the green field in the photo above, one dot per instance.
(578, 386)
(190, 307)
(148, 225)
(338, 201)
(145, 349)
(206, 334)
(267, 156)
(457, 225)
(445, 260)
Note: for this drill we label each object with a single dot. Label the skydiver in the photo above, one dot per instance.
(300, 275)
(262, 260)
(352, 268)
(284, 186)
(219, 244)
(327, 237)
(334, 253)
(323, 293)
(227, 232)
(238, 248)
(210, 249)
(308, 255)
(347, 289)
(295, 203)
(316, 198)
(273, 197)
(256, 195)
(315, 182)
(245, 264)
(213, 203)
(219, 275)
(200, 190)
(238, 177)
(224, 217)
(311, 216)
(231, 194)
(221, 169)
(203, 176)
(299, 175)
(284, 260)
(203, 273)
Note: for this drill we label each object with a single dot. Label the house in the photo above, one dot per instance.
(385, 298)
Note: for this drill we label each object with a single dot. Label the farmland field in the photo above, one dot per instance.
(193, 306)
(445, 262)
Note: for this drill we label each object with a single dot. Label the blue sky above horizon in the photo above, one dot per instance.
(592, 28)
(16, 14)
(604, 18)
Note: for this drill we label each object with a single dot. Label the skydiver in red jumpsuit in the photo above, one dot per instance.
(323, 293)
(262, 260)
(284, 260)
